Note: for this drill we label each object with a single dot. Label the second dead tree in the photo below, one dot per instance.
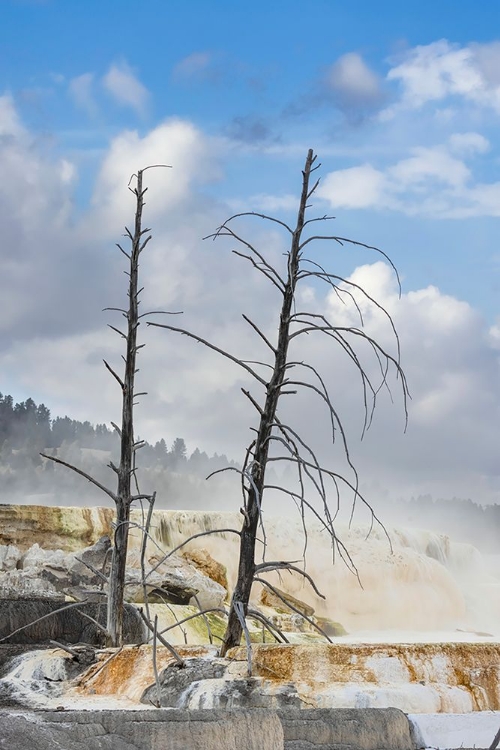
(271, 430)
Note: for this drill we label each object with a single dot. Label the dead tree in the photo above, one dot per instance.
(278, 379)
(128, 490)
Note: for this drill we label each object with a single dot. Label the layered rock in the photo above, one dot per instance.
(53, 528)
(416, 678)
(449, 581)
(143, 730)
(54, 574)
(34, 621)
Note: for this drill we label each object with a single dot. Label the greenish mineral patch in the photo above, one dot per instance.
(331, 628)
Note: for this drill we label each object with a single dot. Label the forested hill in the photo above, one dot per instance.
(26, 429)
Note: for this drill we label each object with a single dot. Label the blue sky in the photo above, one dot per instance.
(400, 101)
(260, 76)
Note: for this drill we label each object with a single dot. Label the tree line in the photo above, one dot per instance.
(27, 429)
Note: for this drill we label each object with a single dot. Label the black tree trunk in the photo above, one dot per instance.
(246, 566)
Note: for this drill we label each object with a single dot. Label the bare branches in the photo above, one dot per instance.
(259, 332)
(249, 213)
(267, 567)
(211, 346)
(271, 627)
(162, 640)
(113, 373)
(155, 668)
(95, 571)
(270, 431)
(346, 240)
(159, 312)
(82, 474)
(293, 607)
(187, 541)
(126, 470)
(192, 617)
(261, 264)
(144, 544)
(496, 741)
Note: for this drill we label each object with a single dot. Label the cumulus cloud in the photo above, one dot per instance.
(454, 412)
(124, 86)
(468, 143)
(47, 260)
(355, 187)
(65, 271)
(175, 143)
(349, 85)
(432, 181)
(441, 70)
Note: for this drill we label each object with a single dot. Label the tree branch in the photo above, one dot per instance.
(82, 474)
(210, 346)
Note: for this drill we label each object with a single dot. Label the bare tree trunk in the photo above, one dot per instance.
(124, 495)
(126, 471)
(246, 566)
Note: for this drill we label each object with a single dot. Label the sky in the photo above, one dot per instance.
(401, 102)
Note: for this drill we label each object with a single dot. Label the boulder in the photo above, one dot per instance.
(98, 555)
(21, 584)
(270, 599)
(205, 563)
(175, 679)
(160, 589)
(203, 683)
(51, 573)
(176, 571)
(37, 558)
(54, 573)
(9, 556)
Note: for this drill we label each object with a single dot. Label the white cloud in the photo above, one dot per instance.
(437, 71)
(356, 187)
(428, 163)
(487, 57)
(177, 143)
(431, 181)
(452, 371)
(125, 87)
(494, 335)
(468, 143)
(64, 272)
(352, 81)
(81, 91)
(10, 123)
